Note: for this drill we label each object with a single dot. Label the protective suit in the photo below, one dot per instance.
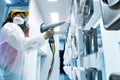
(13, 46)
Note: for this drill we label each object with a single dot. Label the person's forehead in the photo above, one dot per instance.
(21, 14)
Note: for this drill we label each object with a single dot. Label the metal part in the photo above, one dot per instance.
(111, 17)
(111, 2)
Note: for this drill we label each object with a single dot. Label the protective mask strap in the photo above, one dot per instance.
(24, 25)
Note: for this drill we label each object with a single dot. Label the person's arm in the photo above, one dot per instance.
(17, 40)
(25, 43)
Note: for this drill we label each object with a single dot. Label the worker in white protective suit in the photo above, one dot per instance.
(14, 42)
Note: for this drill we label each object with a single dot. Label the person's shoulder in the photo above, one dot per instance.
(10, 26)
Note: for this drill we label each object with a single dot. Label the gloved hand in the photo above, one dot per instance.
(49, 33)
(26, 31)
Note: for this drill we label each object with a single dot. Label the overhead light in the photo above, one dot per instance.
(52, 0)
(8, 1)
(55, 19)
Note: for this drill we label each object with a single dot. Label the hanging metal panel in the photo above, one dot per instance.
(111, 14)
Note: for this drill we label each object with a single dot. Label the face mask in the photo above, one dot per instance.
(18, 20)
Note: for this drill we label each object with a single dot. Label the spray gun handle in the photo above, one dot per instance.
(51, 39)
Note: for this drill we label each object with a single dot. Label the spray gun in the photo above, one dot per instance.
(44, 28)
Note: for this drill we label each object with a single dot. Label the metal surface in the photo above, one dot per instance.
(111, 17)
(95, 17)
(88, 11)
(111, 2)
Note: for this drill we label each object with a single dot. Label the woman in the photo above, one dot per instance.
(14, 42)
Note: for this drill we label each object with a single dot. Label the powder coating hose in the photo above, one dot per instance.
(52, 46)
(44, 28)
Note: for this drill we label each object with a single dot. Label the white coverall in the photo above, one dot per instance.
(13, 46)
